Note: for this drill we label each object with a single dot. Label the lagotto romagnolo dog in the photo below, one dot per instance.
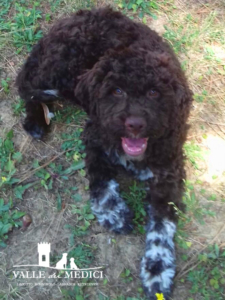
(131, 85)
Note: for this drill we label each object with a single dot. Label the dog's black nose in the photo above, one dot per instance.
(135, 124)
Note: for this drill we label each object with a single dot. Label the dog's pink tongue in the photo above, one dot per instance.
(134, 147)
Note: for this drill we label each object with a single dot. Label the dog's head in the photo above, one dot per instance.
(134, 95)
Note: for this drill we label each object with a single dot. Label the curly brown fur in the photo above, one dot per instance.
(131, 85)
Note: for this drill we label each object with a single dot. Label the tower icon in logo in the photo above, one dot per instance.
(44, 250)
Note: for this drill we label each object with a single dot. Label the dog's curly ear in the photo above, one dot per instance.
(183, 93)
(86, 91)
(83, 90)
(184, 96)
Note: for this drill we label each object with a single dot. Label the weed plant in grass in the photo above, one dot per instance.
(135, 199)
(193, 153)
(18, 107)
(23, 29)
(9, 218)
(83, 218)
(139, 7)
(8, 160)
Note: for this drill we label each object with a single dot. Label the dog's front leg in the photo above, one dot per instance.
(106, 203)
(158, 263)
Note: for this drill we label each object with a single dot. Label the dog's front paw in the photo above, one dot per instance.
(111, 210)
(157, 279)
(158, 263)
(118, 220)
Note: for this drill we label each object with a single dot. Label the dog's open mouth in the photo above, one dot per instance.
(134, 147)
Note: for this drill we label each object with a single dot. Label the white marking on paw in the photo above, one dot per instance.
(51, 92)
(159, 249)
(170, 227)
(100, 207)
(167, 277)
(152, 236)
(113, 217)
(160, 253)
(109, 192)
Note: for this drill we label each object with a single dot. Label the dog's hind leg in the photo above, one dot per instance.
(35, 123)
(35, 89)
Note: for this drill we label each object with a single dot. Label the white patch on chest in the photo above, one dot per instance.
(142, 175)
(145, 174)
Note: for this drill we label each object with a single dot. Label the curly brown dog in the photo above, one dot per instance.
(131, 85)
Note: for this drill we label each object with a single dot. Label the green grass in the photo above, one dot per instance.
(22, 30)
(78, 291)
(45, 178)
(121, 297)
(4, 9)
(14, 293)
(84, 257)
(193, 153)
(18, 107)
(9, 158)
(200, 97)
(126, 276)
(25, 28)
(139, 7)
(129, 298)
(194, 210)
(70, 5)
(5, 85)
(134, 199)
(206, 275)
(70, 114)
(83, 217)
(55, 178)
(208, 278)
(83, 254)
(182, 36)
(73, 141)
(9, 218)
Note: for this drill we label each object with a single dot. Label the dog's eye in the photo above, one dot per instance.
(153, 93)
(117, 92)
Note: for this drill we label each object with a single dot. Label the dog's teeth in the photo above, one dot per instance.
(132, 150)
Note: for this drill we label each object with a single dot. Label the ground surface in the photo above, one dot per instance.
(47, 180)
